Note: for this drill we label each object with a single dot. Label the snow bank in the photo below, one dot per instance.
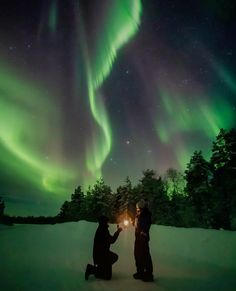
(54, 257)
(201, 245)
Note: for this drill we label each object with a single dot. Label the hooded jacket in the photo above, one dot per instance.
(142, 224)
(102, 242)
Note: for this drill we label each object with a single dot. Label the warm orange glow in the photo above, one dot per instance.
(126, 222)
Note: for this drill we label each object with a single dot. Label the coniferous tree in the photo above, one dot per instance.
(89, 205)
(180, 213)
(223, 163)
(73, 210)
(2, 207)
(99, 199)
(197, 177)
(175, 188)
(64, 213)
(174, 182)
(124, 204)
(151, 188)
(76, 204)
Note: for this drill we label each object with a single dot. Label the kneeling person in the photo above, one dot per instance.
(102, 256)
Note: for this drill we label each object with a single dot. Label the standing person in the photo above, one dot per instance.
(102, 256)
(142, 255)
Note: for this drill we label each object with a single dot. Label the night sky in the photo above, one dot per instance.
(108, 88)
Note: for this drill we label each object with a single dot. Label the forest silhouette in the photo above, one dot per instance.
(203, 196)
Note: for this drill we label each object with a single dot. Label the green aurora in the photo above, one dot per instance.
(108, 88)
(26, 110)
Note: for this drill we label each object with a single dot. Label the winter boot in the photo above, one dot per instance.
(148, 277)
(138, 276)
(90, 269)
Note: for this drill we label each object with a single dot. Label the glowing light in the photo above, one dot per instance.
(126, 222)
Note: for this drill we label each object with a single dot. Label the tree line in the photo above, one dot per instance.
(203, 196)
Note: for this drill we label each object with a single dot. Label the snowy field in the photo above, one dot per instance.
(54, 257)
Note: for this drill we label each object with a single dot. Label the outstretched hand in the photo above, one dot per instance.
(119, 229)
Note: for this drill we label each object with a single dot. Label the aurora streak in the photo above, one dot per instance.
(92, 88)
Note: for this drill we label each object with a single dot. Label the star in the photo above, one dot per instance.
(185, 81)
(113, 161)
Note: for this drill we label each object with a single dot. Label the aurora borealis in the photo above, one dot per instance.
(108, 88)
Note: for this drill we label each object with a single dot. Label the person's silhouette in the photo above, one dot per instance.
(142, 255)
(102, 256)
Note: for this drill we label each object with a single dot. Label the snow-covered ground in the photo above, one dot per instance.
(54, 257)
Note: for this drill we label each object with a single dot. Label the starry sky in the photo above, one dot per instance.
(108, 88)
